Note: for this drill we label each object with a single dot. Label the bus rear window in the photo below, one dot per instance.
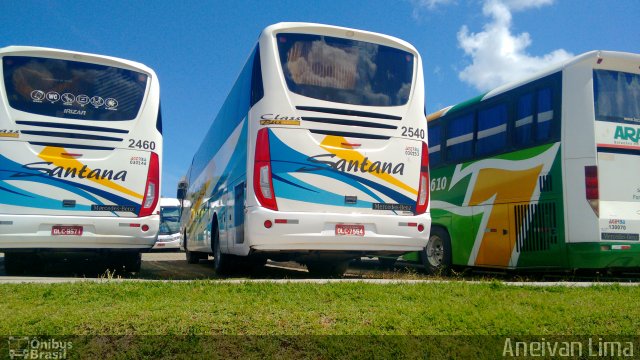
(345, 71)
(616, 96)
(72, 89)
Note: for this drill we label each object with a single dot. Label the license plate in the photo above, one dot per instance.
(66, 230)
(353, 230)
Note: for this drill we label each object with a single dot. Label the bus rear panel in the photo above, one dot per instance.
(80, 151)
(318, 152)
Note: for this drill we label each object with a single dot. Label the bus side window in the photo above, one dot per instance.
(545, 115)
(524, 121)
(460, 138)
(257, 88)
(492, 130)
(435, 155)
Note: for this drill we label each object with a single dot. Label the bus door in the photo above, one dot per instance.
(495, 231)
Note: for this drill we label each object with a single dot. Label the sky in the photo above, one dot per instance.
(197, 48)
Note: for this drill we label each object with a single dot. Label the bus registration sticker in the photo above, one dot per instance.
(66, 230)
(347, 229)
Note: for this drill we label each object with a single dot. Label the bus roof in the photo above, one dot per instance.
(595, 54)
(339, 31)
(74, 55)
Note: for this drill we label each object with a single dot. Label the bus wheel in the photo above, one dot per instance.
(222, 263)
(436, 256)
(327, 268)
(132, 261)
(192, 256)
(14, 264)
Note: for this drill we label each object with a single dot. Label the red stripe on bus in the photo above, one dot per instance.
(619, 146)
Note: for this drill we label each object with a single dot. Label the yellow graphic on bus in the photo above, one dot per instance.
(504, 186)
(340, 147)
(58, 157)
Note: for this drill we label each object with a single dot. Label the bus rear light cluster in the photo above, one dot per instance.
(614, 247)
(591, 188)
(143, 227)
(268, 223)
(262, 181)
(152, 187)
(423, 189)
(420, 227)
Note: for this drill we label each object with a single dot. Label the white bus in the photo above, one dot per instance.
(318, 154)
(169, 237)
(80, 156)
(541, 173)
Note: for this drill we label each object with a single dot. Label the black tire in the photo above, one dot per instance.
(436, 256)
(387, 262)
(132, 261)
(327, 268)
(223, 264)
(193, 257)
(14, 264)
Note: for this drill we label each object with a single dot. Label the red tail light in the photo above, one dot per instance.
(152, 187)
(423, 189)
(591, 187)
(262, 183)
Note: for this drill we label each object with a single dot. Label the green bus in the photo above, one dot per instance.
(541, 173)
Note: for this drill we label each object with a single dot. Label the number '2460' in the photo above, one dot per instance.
(146, 144)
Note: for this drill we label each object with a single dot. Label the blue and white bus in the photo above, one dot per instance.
(318, 154)
(80, 156)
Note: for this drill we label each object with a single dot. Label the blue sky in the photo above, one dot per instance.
(197, 48)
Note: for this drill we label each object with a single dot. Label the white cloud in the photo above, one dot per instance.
(431, 4)
(497, 55)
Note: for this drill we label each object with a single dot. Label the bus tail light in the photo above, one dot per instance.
(152, 187)
(262, 182)
(423, 189)
(591, 188)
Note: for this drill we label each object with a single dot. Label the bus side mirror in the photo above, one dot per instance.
(182, 190)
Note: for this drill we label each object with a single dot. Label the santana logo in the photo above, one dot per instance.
(364, 166)
(627, 133)
(72, 172)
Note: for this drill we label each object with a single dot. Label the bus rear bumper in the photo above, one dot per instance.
(299, 231)
(604, 255)
(35, 232)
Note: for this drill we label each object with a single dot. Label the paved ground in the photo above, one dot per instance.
(172, 266)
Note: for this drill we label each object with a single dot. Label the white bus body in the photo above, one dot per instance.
(317, 155)
(169, 237)
(80, 154)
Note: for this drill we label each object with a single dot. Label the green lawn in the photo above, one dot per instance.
(268, 320)
(209, 308)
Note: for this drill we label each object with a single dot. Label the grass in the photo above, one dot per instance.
(210, 308)
(269, 320)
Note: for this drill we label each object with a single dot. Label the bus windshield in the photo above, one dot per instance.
(72, 89)
(345, 71)
(169, 220)
(617, 96)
